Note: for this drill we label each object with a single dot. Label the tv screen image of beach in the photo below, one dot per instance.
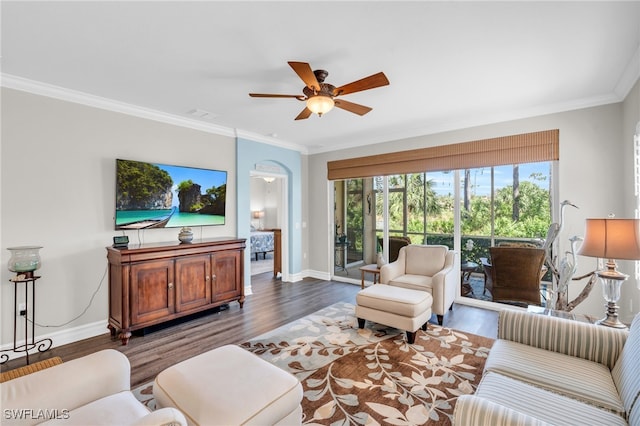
(152, 195)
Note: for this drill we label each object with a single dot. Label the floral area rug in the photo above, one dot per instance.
(370, 376)
(373, 376)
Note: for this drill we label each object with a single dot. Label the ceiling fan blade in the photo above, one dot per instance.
(305, 72)
(371, 82)
(270, 95)
(351, 107)
(306, 113)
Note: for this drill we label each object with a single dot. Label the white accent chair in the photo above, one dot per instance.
(92, 390)
(428, 268)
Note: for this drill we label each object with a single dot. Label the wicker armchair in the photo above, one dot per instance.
(515, 274)
(395, 244)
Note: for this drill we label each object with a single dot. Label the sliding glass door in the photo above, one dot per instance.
(497, 205)
(351, 219)
(355, 220)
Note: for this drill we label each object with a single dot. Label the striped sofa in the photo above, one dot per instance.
(547, 370)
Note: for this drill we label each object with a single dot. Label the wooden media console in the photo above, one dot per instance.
(153, 283)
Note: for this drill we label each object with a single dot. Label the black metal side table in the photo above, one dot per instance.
(42, 345)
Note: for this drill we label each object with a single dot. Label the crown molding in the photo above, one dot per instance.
(62, 93)
(255, 137)
(622, 89)
(409, 132)
(629, 77)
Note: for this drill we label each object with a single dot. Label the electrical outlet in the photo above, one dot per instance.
(22, 309)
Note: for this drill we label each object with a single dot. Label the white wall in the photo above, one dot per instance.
(58, 183)
(594, 157)
(265, 197)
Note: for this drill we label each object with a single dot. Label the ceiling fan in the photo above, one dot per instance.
(321, 97)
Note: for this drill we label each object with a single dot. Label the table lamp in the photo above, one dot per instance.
(258, 214)
(611, 239)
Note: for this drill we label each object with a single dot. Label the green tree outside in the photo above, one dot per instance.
(417, 211)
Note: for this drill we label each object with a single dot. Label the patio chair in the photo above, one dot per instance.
(515, 275)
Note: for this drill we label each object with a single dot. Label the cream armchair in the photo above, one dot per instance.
(428, 268)
(92, 390)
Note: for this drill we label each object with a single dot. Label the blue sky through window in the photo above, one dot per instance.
(481, 178)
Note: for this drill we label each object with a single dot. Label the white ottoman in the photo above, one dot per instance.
(230, 386)
(397, 307)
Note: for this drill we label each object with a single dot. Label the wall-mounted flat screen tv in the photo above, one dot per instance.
(152, 195)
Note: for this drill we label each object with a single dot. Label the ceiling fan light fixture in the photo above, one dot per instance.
(318, 95)
(320, 104)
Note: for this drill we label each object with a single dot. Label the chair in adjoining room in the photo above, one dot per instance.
(515, 274)
(428, 268)
(395, 244)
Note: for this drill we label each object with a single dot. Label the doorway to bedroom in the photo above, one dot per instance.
(266, 219)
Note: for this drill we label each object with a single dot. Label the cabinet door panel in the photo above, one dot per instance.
(226, 271)
(193, 286)
(152, 290)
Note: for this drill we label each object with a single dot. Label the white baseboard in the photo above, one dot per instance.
(319, 275)
(97, 328)
(294, 278)
(60, 338)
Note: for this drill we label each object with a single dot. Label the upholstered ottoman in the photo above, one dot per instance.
(230, 386)
(397, 307)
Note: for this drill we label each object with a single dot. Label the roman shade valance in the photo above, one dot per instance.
(515, 149)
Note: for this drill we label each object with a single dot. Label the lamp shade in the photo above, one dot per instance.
(612, 239)
(320, 104)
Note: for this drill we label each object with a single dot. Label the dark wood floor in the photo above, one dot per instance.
(272, 304)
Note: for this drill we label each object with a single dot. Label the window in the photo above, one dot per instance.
(504, 204)
(485, 192)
